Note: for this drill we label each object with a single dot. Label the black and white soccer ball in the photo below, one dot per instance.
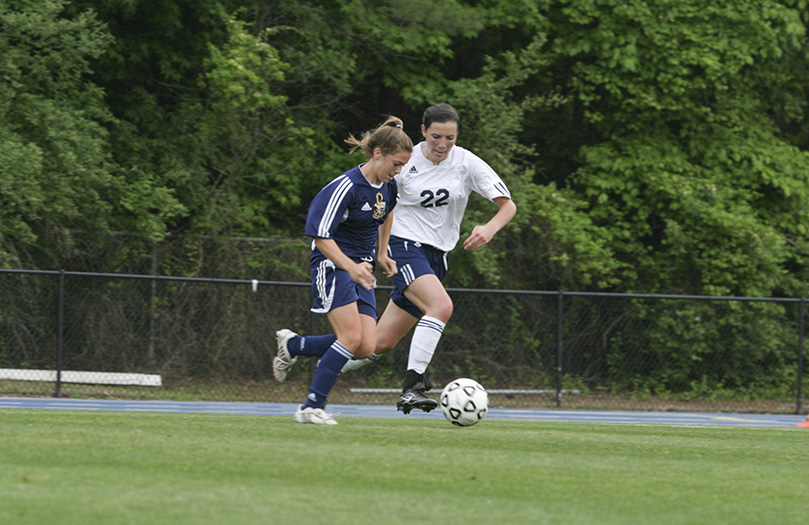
(464, 402)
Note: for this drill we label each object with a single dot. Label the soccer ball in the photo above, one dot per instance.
(464, 402)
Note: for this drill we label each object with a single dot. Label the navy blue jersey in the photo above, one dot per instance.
(350, 210)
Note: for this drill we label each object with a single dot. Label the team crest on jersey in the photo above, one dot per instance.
(379, 207)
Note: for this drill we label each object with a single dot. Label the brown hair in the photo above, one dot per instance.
(441, 112)
(388, 137)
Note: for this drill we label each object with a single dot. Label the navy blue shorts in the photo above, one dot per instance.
(333, 287)
(413, 260)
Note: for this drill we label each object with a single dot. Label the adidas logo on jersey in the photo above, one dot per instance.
(412, 170)
(366, 207)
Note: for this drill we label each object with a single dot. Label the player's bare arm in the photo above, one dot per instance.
(387, 264)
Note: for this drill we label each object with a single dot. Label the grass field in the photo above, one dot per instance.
(88, 468)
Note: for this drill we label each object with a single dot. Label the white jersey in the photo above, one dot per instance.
(432, 199)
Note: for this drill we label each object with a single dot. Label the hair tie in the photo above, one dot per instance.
(398, 126)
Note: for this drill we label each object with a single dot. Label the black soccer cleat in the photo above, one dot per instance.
(414, 398)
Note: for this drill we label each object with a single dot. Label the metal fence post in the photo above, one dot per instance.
(60, 334)
(560, 310)
(801, 324)
(150, 350)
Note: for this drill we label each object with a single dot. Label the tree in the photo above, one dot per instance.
(678, 154)
(56, 175)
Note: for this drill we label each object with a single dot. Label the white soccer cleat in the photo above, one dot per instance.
(283, 362)
(315, 416)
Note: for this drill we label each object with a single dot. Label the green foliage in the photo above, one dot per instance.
(704, 350)
(683, 162)
(244, 132)
(649, 147)
(56, 173)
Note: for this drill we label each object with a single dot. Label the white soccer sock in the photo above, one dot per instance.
(353, 364)
(422, 346)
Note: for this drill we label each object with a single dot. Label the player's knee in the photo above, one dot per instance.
(364, 350)
(352, 342)
(384, 344)
(442, 311)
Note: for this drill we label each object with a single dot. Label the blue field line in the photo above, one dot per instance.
(516, 414)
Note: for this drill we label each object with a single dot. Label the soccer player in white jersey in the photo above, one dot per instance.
(434, 189)
(344, 220)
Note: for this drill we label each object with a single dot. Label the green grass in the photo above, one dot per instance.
(109, 467)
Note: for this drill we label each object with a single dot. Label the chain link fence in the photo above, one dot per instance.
(93, 335)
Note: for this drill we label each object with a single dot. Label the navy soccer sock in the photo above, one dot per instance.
(311, 345)
(326, 375)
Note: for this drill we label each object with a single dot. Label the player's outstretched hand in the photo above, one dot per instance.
(480, 236)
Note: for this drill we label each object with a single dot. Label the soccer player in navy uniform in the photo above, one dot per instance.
(345, 218)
